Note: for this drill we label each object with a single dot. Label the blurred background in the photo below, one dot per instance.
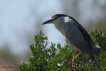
(21, 20)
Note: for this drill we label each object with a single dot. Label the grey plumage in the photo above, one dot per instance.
(77, 36)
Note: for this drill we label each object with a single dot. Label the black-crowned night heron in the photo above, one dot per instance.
(77, 36)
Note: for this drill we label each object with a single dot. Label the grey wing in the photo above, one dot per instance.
(75, 38)
(96, 49)
(84, 33)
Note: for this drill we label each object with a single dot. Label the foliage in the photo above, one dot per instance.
(57, 58)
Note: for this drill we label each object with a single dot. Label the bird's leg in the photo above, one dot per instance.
(77, 55)
(74, 58)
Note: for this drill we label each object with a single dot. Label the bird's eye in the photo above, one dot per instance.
(55, 17)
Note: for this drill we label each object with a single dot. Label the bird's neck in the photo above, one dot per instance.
(60, 27)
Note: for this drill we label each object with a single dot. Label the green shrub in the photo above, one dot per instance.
(57, 58)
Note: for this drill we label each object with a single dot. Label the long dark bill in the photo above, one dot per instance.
(48, 21)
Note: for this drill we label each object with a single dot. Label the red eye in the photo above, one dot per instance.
(55, 17)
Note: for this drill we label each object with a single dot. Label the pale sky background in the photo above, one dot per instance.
(16, 18)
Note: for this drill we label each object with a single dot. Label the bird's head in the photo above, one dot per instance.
(55, 18)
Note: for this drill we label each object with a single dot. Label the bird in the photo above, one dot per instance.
(77, 36)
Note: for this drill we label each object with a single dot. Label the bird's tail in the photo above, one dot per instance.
(97, 50)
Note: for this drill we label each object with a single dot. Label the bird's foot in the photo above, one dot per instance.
(73, 64)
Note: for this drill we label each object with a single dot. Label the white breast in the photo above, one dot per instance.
(60, 23)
